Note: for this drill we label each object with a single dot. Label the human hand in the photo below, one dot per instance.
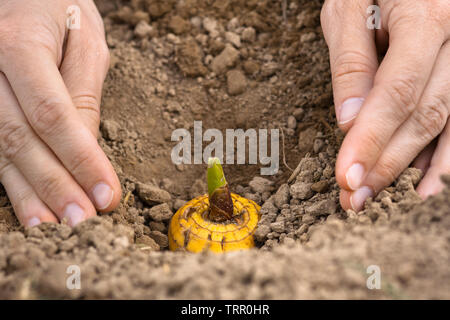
(50, 87)
(396, 112)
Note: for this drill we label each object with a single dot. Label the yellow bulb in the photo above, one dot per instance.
(191, 230)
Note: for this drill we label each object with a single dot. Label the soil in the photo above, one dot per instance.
(230, 64)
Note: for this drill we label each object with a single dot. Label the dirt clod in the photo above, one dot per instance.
(226, 59)
(160, 212)
(236, 82)
(190, 58)
(301, 190)
(151, 194)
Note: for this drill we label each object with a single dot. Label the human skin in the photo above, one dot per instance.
(51, 78)
(395, 112)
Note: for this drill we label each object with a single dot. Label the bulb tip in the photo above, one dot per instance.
(213, 161)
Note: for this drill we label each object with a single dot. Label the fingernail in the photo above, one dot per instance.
(350, 109)
(359, 197)
(33, 222)
(354, 176)
(74, 214)
(103, 195)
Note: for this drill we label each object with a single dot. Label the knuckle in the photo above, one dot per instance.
(24, 195)
(387, 170)
(50, 186)
(47, 115)
(13, 139)
(403, 93)
(349, 63)
(4, 167)
(80, 162)
(372, 140)
(87, 100)
(89, 104)
(432, 118)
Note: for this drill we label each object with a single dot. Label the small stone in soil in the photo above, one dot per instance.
(178, 25)
(250, 67)
(226, 59)
(269, 69)
(110, 129)
(147, 242)
(160, 238)
(233, 24)
(278, 226)
(211, 26)
(166, 184)
(190, 58)
(306, 139)
(323, 207)
(160, 212)
(301, 190)
(236, 82)
(320, 186)
(282, 196)
(298, 114)
(249, 34)
(260, 185)
(292, 122)
(157, 226)
(318, 145)
(269, 208)
(144, 30)
(151, 194)
(261, 232)
(233, 38)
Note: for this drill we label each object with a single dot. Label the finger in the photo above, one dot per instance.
(49, 109)
(423, 160)
(50, 180)
(353, 56)
(355, 199)
(344, 199)
(398, 85)
(440, 165)
(421, 128)
(29, 209)
(83, 71)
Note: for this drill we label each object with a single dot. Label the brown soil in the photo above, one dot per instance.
(167, 71)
